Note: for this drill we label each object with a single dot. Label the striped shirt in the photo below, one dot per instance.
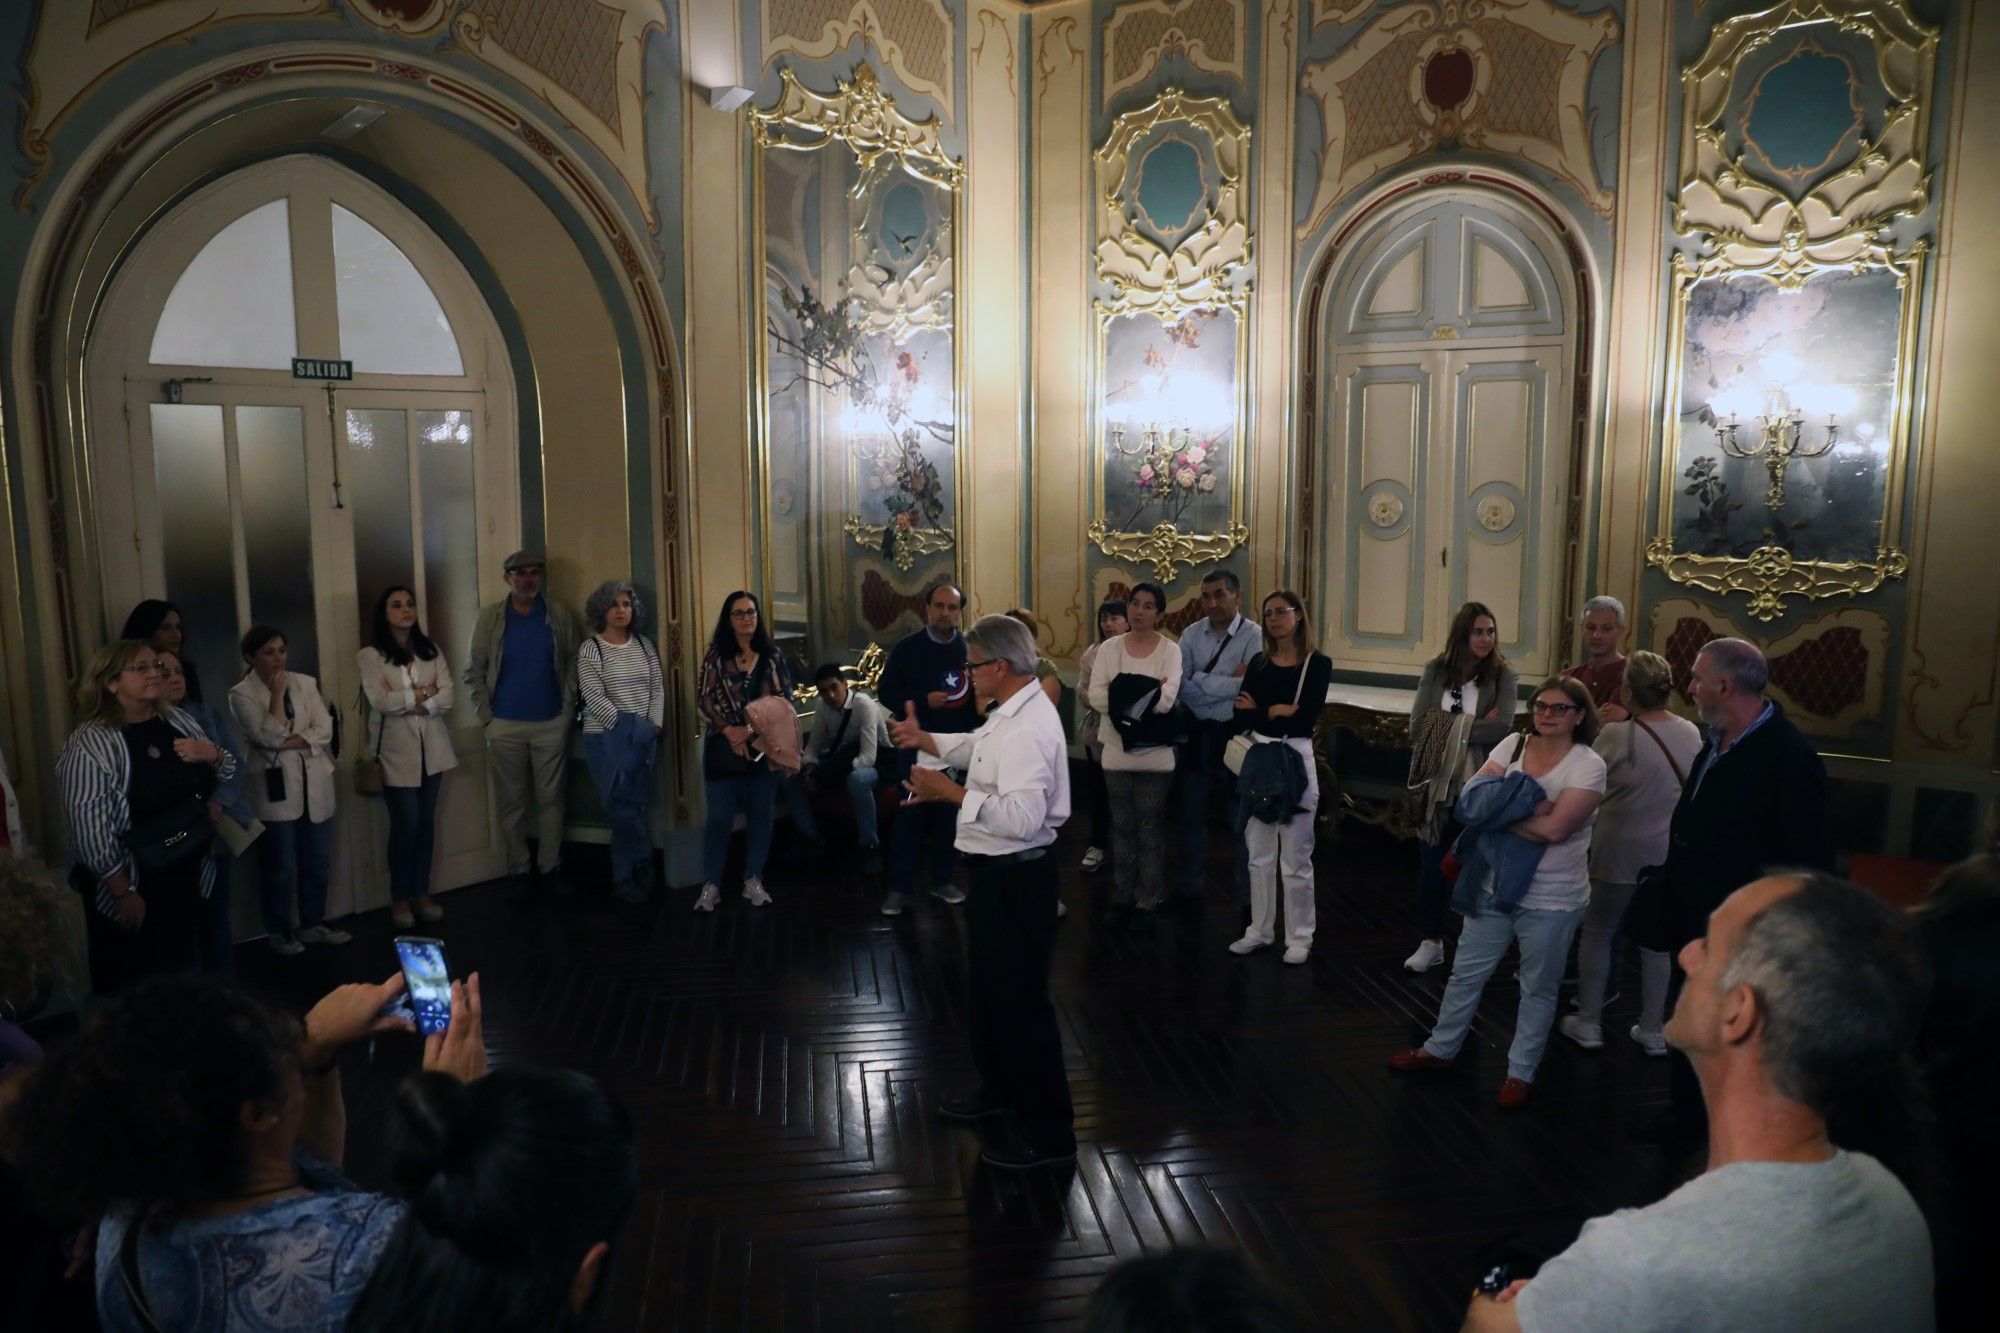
(95, 771)
(619, 678)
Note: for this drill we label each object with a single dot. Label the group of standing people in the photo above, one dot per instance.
(163, 789)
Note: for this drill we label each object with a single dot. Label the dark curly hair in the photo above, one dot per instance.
(512, 1181)
(145, 1107)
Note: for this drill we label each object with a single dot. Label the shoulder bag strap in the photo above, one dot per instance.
(1220, 649)
(1304, 667)
(128, 1270)
(1679, 777)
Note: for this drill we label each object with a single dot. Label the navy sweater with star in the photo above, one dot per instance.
(919, 664)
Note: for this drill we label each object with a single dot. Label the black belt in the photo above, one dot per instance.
(1031, 854)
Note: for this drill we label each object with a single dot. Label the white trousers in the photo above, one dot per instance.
(1276, 852)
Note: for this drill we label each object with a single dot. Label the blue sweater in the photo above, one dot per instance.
(918, 665)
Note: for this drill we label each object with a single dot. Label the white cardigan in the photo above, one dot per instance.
(413, 738)
(1112, 661)
(308, 772)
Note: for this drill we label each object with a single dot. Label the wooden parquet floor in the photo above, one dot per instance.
(783, 1067)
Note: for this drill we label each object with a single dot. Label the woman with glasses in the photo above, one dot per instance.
(136, 777)
(1556, 753)
(1138, 778)
(1284, 690)
(216, 937)
(289, 732)
(1471, 676)
(742, 664)
(408, 686)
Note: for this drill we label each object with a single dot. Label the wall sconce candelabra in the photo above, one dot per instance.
(1781, 427)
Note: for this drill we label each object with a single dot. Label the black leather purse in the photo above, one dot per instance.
(171, 838)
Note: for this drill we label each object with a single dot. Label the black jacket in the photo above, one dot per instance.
(1763, 806)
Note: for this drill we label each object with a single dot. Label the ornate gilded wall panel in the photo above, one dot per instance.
(1173, 255)
(1829, 673)
(1209, 34)
(1503, 76)
(912, 37)
(1793, 346)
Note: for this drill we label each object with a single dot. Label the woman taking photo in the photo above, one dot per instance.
(624, 709)
(289, 734)
(157, 624)
(215, 938)
(1284, 690)
(202, 1129)
(1137, 779)
(742, 664)
(1557, 755)
(1646, 758)
(407, 684)
(1110, 624)
(1469, 676)
(136, 777)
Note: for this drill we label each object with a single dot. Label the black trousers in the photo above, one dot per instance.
(167, 942)
(1010, 932)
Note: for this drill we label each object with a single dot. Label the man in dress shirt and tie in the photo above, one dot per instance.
(1215, 654)
(1015, 797)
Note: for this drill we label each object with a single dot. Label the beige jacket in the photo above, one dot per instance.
(411, 737)
(308, 772)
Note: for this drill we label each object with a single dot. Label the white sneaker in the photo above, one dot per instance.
(283, 943)
(892, 905)
(1652, 1043)
(1062, 908)
(1428, 955)
(949, 892)
(1297, 953)
(1249, 944)
(1093, 859)
(754, 892)
(1590, 1036)
(710, 896)
(324, 935)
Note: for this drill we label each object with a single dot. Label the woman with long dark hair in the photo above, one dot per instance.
(742, 664)
(136, 775)
(1471, 676)
(408, 686)
(156, 622)
(518, 1184)
(1284, 690)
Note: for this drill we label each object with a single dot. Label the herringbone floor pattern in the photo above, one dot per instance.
(783, 1067)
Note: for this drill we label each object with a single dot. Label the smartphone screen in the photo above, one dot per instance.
(427, 981)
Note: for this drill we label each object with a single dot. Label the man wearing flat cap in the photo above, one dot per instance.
(521, 675)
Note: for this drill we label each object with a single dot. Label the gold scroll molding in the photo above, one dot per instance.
(905, 548)
(1531, 62)
(1750, 222)
(913, 37)
(1770, 574)
(1205, 268)
(415, 21)
(78, 44)
(864, 675)
(860, 115)
(585, 58)
(1166, 548)
(1209, 34)
(1872, 627)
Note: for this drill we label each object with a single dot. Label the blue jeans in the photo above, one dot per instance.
(412, 836)
(918, 822)
(293, 860)
(859, 782)
(1482, 942)
(755, 796)
(631, 840)
(1200, 784)
(216, 942)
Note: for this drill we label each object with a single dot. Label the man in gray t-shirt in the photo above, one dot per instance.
(1802, 987)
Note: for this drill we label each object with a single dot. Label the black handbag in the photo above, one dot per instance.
(1649, 917)
(171, 838)
(720, 762)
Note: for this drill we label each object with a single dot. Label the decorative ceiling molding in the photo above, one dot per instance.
(1339, 11)
(1502, 76)
(585, 58)
(1209, 34)
(1209, 266)
(77, 46)
(915, 38)
(414, 17)
(863, 117)
(1756, 221)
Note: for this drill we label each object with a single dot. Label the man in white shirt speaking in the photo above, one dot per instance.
(1015, 797)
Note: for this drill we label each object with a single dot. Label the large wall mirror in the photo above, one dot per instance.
(857, 219)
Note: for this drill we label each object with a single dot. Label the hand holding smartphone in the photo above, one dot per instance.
(427, 980)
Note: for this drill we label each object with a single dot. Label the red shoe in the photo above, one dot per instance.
(1514, 1093)
(1415, 1060)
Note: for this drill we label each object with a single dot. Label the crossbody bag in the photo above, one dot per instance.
(1239, 747)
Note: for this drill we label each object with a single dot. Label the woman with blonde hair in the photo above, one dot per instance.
(1284, 690)
(136, 775)
(1647, 758)
(1556, 753)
